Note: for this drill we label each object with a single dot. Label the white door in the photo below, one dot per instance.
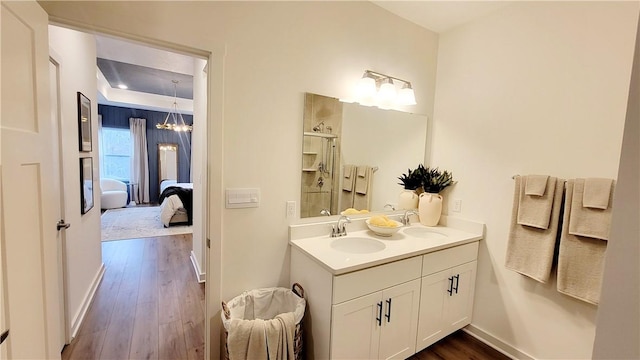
(57, 181)
(28, 195)
(355, 328)
(458, 308)
(432, 298)
(400, 321)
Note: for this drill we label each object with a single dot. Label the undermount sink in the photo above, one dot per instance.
(424, 233)
(357, 245)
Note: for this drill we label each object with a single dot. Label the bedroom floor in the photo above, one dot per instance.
(148, 305)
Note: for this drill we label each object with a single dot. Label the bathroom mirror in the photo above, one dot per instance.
(167, 162)
(383, 142)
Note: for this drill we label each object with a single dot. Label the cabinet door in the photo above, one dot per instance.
(459, 306)
(400, 321)
(355, 330)
(432, 298)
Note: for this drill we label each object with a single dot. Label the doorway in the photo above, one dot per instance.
(196, 258)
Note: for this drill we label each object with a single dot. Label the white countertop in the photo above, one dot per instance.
(396, 247)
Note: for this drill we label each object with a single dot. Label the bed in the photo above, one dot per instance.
(176, 203)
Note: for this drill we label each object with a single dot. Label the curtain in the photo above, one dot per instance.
(139, 160)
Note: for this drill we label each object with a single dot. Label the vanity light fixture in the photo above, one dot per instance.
(377, 88)
(174, 114)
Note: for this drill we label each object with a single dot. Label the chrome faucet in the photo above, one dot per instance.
(337, 230)
(405, 218)
(325, 212)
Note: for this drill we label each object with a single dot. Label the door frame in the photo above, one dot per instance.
(57, 126)
(212, 157)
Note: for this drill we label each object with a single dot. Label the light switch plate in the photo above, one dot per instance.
(291, 209)
(242, 198)
(457, 205)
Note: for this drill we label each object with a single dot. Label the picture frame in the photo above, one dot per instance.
(86, 184)
(84, 123)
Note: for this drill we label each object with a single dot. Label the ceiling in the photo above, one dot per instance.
(150, 71)
(441, 16)
(148, 74)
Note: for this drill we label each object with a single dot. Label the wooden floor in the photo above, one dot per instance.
(148, 306)
(459, 346)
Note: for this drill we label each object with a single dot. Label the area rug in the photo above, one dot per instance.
(137, 222)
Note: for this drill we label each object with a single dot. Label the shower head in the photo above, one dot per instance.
(319, 127)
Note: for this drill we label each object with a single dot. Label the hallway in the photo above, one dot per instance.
(148, 306)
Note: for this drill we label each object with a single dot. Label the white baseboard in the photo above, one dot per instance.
(199, 274)
(88, 298)
(496, 343)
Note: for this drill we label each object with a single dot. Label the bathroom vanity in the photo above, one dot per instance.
(373, 297)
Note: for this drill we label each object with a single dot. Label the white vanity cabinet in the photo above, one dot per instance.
(381, 325)
(447, 289)
(388, 301)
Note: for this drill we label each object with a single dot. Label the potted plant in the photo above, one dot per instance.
(434, 180)
(412, 184)
(430, 203)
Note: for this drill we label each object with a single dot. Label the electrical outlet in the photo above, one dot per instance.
(291, 209)
(457, 205)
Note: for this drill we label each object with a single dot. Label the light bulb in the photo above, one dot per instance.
(366, 87)
(406, 95)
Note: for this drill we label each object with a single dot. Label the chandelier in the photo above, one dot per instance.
(174, 115)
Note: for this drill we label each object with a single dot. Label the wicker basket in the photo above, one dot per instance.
(297, 337)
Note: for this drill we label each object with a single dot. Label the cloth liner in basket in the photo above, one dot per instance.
(264, 304)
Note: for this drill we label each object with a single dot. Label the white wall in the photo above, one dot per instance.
(535, 88)
(76, 53)
(266, 56)
(619, 307)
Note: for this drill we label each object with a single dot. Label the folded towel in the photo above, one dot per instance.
(597, 193)
(535, 210)
(580, 259)
(347, 181)
(247, 339)
(535, 185)
(584, 221)
(362, 181)
(530, 250)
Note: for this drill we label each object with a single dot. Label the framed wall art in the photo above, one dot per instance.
(84, 122)
(86, 184)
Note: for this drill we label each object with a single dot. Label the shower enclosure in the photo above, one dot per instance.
(320, 156)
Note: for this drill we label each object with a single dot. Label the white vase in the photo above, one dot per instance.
(408, 200)
(430, 209)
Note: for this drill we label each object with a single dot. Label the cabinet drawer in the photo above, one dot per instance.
(448, 258)
(362, 282)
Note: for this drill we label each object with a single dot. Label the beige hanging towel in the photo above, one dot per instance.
(587, 221)
(536, 200)
(529, 249)
(362, 196)
(346, 195)
(597, 193)
(580, 258)
(347, 174)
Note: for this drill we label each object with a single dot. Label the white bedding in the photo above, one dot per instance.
(172, 203)
(166, 183)
(169, 206)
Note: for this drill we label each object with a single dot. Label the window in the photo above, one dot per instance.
(116, 153)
